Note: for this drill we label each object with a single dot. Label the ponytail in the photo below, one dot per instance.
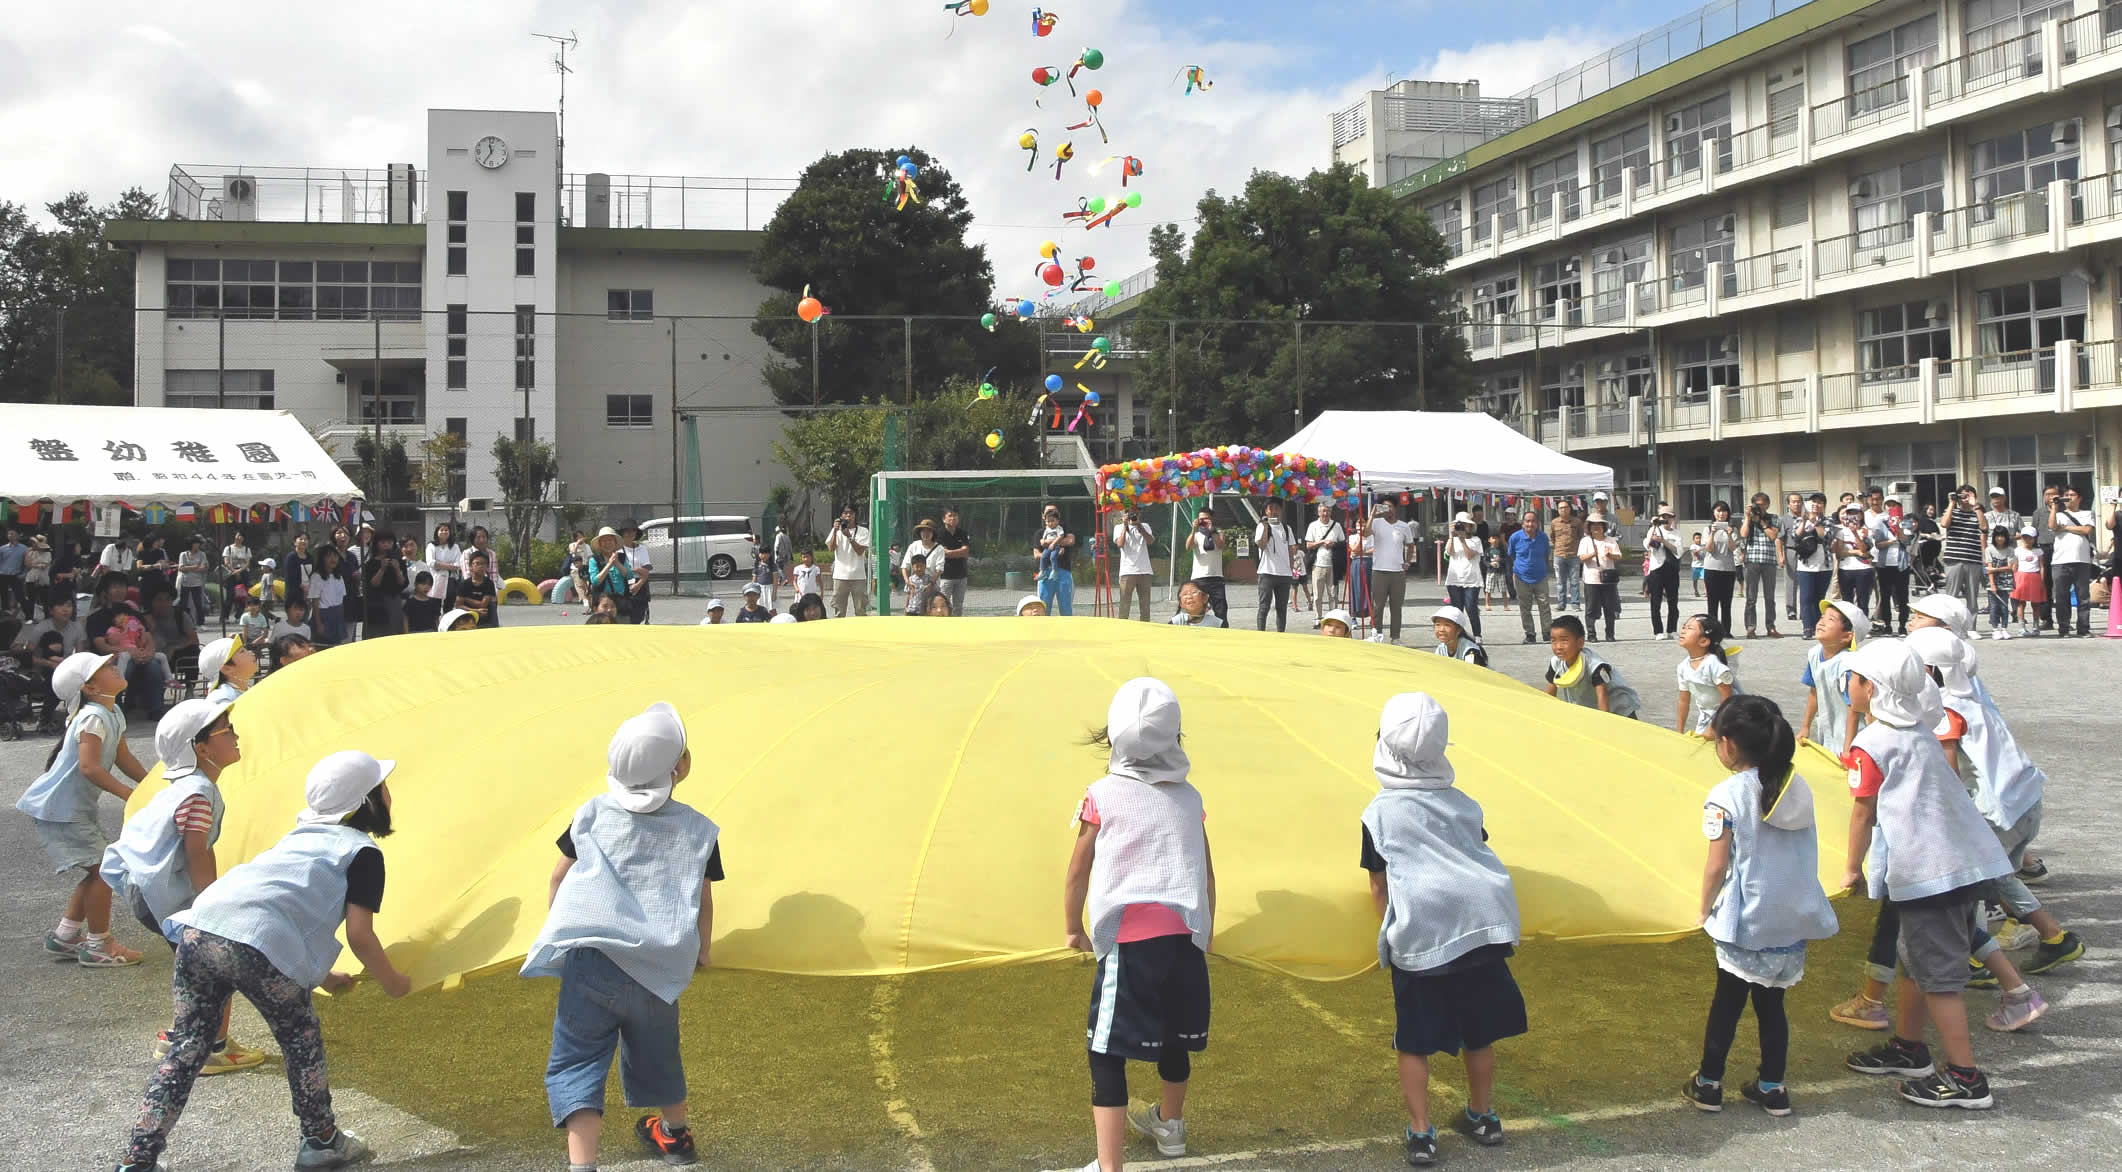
(1716, 634)
(1763, 739)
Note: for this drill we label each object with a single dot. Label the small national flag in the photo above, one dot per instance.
(186, 511)
(156, 513)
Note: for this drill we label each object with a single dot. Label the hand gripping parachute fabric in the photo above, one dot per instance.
(896, 795)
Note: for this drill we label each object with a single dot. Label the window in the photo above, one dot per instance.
(1691, 129)
(402, 400)
(1794, 331)
(2026, 464)
(1615, 270)
(1545, 180)
(1562, 386)
(1494, 202)
(526, 347)
(1501, 396)
(1444, 216)
(1703, 480)
(630, 304)
(194, 287)
(1625, 157)
(1785, 107)
(1703, 363)
(628, 411)
(292, 290)
(2002, 34)
(1893, 339)
(1883, 205)
(246, 390)
(1558, 294)
(526, 233)
(1495, 298)
(2014, 320)
(1878, 65)
(2025, 160)
(1931, 466)
(1792, 206)
(1692, 247)
(459, 204)
(457, 321)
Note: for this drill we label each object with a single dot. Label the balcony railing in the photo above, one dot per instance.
(1759, 402)
(2011, 217)
(1684, 409)
(2007, 61)
(670, 201)
(2097, 362)
(238, 193)
(2095, 198)
(1870, 248)
(1865, 108)
(1770, 270)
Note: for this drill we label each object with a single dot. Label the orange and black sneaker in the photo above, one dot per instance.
(675, 1144)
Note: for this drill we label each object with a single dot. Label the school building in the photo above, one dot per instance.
(1781, 245)
(484, 291)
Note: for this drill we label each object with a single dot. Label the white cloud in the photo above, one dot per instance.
(665, 87)
(1507, 67)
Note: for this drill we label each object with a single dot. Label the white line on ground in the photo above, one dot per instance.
(883, 1016)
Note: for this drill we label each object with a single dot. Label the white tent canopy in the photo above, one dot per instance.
(1444, 449)
(144, 455)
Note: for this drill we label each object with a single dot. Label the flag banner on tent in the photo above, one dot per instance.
(139, 453)
(951, 852)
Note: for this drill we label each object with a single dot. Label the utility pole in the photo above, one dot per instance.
(908, 323)
(375, 475)
(814, 364)
(220, 359)
(560, 66)
(1298, 334)
(59, 356)
(676, 425)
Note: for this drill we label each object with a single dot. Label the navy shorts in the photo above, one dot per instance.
(1150, 996)
(1446, 1012)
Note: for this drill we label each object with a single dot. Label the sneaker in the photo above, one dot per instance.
(1862, 1012)
(1705, 1096)
(1486, 1130)
(675, 1146)
(57, 949)
(1169, 1136)
(1893, 1056)
(230, 1058)
(344, 1148)
(1993, 912)
(2015, 1013)
(1998, 634)
(108, 955)
(2049, 956)
(2013, 936)
(1421, 1147)
(1979, 976)
(1776, 1102)
(2033, 873)
(160, 1050)
(1944, 1089)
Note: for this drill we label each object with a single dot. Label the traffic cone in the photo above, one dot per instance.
(2114, 613)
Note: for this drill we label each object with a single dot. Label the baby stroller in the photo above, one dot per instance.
(1925, 573)
(18, 694)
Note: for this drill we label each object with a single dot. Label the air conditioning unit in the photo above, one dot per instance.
(1861, 189)
(1672, 124)
(475, 504)
(1728, 225)
(2064, 131)
(2114, 116)
(239, 198)
(1613, 257)
(1936, 311)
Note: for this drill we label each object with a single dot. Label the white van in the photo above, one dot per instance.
(712, 547)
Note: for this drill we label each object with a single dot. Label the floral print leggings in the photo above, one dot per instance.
(209, 969)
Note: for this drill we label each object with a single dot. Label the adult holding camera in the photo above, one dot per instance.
(1963, 548)
(1853, 553)
(849, 542)
(1324, 541)
(1207, 548)
(1720, 563)
(1131, 538)
(384, 580)
(1389, 541)
(1761, 536)
(1274, 543)
(951, 577)
(1891, 536)
(2045, 540)
(1462, 570)
(1812, 554)
(2072, 524)
(1662, 551)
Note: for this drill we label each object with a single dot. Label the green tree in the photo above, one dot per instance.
(1286, 260)
(525, 472)
(834, 453)
(862, 257)
(66, 302)
(393, 482)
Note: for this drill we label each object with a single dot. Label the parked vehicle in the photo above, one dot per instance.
(711, 547)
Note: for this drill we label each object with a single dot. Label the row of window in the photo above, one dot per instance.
(400, 402)
(293, 290)
(457, 207)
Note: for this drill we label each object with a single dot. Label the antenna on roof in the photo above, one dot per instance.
(560, 66)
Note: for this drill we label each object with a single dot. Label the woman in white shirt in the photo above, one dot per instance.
(1462, 570)
(1854, 556)
(442, 558)
(235, 572)
(1601, 555)
(1663, 548)
(1720, 564)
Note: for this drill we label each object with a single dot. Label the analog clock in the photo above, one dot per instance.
(490, 152)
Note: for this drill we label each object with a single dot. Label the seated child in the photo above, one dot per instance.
(1141, 865)
(1582, 677)
(631, 918)
(1337, 624)
(752, 611)
(1453, 642)
(255, 627)
(1761, 896)
(715, 612)
(1450, 921)
(1031, 606)
(1193, 608)
(458, 620)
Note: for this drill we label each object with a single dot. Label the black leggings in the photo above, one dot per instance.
(1893, 592)
(1719, 585)
(1108, 1074)
(1664, 582)
(1601, 598)
(1724, 1010)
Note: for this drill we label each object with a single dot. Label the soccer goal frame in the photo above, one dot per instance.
(885, 531)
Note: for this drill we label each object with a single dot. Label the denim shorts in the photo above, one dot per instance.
(601, 1010)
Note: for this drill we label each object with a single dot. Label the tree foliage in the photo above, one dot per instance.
(834, 453)
(63, 273)
(863, 258)
(394, 480)
(1302, 256)
(525, 472)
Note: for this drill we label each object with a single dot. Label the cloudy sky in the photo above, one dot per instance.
(759, 87)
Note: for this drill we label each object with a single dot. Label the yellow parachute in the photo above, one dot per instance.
(897, 794)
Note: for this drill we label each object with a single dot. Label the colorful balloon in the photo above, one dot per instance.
(1096, 205)
(1025, 309)
(1091, 397)
(1134, 199)
(987, 322)
(1046, 74)
(1049, 250)
(1102, 344)
(1052, 274)
(994, 440)
(1091, 59)
(1053, 382)
(1095, 98)
(987, 390)
(1112, 288)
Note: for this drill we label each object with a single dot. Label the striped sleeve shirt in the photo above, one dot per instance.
(1963, 537)
(195, 814)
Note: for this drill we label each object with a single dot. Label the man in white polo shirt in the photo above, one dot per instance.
(1388, 569)
(1322, 540)
(850, 546)
(1273, 540)
(1131, 538)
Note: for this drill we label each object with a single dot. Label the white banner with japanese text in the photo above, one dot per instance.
(162, 455)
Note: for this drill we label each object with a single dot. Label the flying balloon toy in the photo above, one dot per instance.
(987, 389)
(1092, 100)
(1079, 322)
(987, 322)
(1029, 141)
(1086, 207)
(1132, 199)
(994, 440)
(1084, 264)
(1101, 348)
(810, 309)
(899, 181)
(1043, 22)
(1129, 166)
(1090, 59)
(960, 8)
(1196, 78)
(1083, 416)
(1062, 154)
